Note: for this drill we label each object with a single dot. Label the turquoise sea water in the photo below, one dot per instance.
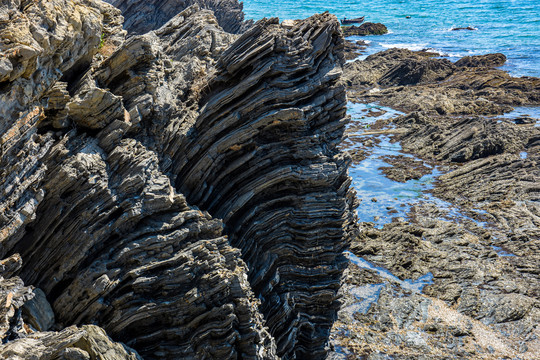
(508, 26)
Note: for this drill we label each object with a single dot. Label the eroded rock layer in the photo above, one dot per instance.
(469, 243)
(100, 227)
(420, 81)
(22, 339)
(43, 43)
(144, 16)
(262, 156)
(109, 144)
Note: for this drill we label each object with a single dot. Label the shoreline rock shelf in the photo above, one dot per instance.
(180, 188)
(475, 230)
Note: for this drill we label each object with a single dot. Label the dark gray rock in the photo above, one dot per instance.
(367, 28)
(263, 156)
(470, 28)
(415, 81)
(489, 60)
(143, 16)
(22, 340)
(395, 67)
(183, 188)
(461, 140)
(37, 312)
(480, 246)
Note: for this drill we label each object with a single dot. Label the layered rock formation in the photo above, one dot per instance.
(111, 148)
(416, 81)
(238, 161)
(453, 273)
(265, 161)
(143, 16)
(32, 340)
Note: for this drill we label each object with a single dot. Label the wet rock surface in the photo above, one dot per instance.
(180, 188)
(403, 169)
(457, 275)
(418, 81)
(354, 49)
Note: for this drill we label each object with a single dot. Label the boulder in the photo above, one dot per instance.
(489, 60)
(367, 28)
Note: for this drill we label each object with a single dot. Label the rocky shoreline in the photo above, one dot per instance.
(475, 238)
(178, 182)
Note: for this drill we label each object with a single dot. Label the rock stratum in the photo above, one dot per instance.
(174, 193)
(144, 16)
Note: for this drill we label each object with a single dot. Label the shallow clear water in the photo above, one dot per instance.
(367, 295)
(524, 112)
(382, 199)
(407, 284)
(508, 26)
(393, 199)
(501, 252)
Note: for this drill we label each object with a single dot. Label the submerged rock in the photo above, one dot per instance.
(403, 169)
(470, 28)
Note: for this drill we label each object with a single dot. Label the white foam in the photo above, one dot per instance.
(454, 55)
(417, 47)
(413, 47)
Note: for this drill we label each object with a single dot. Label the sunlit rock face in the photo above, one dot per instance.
(143, 16)
(182, 188)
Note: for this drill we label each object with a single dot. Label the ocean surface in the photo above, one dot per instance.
(511, 27)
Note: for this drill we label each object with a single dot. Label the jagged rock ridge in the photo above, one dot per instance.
(276, 177)
(241, 164)
(98, 150)
(104, 234)
(143, 16)
(32, 340)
